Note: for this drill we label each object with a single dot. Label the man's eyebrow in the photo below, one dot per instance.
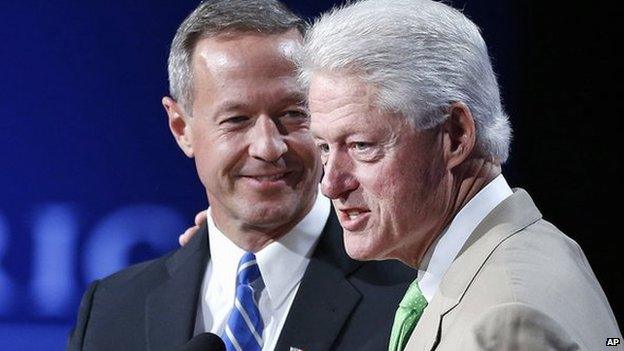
(298, 97)
(295, 97)
(230, 105)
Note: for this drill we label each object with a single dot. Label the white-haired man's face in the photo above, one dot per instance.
(385, 177)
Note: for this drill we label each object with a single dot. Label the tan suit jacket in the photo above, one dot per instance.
(517, 284)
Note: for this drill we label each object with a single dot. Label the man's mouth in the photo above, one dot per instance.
(353, 214)
(269, 177)
(354, 219)
(268, 181)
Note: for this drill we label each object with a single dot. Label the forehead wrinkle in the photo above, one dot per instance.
(330, 111)
(328, 102)
(333, 126)
(345, 93)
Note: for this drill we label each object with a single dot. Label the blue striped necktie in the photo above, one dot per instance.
(243, 331)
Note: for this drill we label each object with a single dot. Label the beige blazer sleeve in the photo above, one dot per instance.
(516, 326)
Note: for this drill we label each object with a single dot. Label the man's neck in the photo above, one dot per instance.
(253, 238)
(471, 177)
(465, 181)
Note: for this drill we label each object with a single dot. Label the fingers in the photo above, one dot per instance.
(200, 220)
(187, 235)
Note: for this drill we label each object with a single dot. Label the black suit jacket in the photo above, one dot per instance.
(341, 304)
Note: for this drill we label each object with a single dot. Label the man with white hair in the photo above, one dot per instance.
(407, 116)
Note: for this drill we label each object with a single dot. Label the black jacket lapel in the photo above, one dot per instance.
(172, 306)
(325, 298)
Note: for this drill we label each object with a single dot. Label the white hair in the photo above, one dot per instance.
(420, 55)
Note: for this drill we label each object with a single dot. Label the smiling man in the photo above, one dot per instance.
(407, 116)
(248, 133)
(268, 271)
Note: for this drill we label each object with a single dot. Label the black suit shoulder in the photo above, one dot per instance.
(112, 310)
(381, 285)
(121, 281)
(344, 304)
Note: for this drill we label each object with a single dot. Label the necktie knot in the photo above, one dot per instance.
(414, 298)
(248, 271)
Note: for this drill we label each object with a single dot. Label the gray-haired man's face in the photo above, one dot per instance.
(249, 131)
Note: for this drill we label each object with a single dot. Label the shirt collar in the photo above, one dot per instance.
(282, 263)
(224, 258)
(443, 251)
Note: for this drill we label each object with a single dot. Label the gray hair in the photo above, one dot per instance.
(216, 17)
(420, 55)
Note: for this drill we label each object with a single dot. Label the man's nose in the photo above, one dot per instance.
(267, 142)
(338, 180)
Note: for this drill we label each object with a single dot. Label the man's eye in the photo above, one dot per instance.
(295, 114)
(360, 146)
(323, 148)
(235, 120)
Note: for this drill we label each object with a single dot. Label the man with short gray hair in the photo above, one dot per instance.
(407, 116)
(268, 271)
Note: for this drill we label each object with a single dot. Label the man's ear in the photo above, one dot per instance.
(459, 134)
(178, 125)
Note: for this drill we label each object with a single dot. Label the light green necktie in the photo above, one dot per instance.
(407, 315)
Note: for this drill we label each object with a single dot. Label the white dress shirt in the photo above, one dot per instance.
(442, 253)
(281, 263)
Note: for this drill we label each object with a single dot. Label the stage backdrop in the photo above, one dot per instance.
(92, 181)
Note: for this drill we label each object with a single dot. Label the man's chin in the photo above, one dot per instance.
(269, 211)
(268, 215)
(359, 248)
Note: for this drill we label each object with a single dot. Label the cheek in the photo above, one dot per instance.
(206, 165)
(391, 194)
(218, 157)
(378, 184)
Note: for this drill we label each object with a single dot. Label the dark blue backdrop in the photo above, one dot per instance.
(91, 179)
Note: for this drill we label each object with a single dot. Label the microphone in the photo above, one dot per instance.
(204, 342)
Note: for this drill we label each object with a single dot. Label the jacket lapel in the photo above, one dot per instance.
(512, 215)
(172, 306)
(325, 298)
